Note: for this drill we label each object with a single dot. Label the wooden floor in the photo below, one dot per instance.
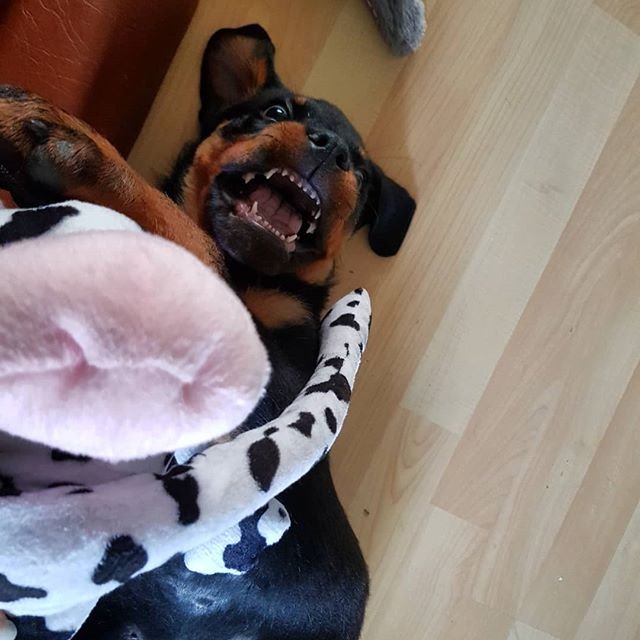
(491, 460)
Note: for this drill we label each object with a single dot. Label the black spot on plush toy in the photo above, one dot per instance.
(11, 592)
(122, 558)
(402, 23)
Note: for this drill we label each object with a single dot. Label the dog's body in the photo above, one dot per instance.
(279, 182)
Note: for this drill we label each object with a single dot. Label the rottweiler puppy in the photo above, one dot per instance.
(272, 188)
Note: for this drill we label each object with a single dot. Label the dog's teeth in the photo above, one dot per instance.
(254, 208)
(312, 227)
(248, 177)
(284, 172)
(316, 214)
(292, 238)
(270, 173)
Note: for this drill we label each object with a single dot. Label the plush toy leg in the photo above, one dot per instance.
(7, 628)
(402, 23)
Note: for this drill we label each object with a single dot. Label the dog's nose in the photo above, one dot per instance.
(320, 140)
(330, 144)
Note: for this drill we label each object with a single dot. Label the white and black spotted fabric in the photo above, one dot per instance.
(73, 529)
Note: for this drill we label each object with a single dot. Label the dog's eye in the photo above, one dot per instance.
(276, 112)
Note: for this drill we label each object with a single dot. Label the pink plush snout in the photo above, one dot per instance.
(120, 345)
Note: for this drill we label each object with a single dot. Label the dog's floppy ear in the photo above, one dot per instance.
(388, 210)
(237, 64)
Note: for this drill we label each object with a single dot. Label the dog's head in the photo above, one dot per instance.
(279, 179)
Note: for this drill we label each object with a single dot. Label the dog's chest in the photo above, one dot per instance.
(293, 353)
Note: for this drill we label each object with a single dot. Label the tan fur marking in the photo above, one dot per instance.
(317, 272)
(245, 68)
(340, 202)
(275, 309)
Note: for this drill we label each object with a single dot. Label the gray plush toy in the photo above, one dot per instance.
(402, 23)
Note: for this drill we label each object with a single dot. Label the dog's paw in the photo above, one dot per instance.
(45, 153)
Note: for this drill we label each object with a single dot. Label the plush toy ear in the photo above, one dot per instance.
(388, 211)
(237, 65)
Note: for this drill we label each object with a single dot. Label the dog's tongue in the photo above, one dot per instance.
(276, 211)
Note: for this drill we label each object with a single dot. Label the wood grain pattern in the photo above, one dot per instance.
(521, 631)
(490, 460)
(614, 612)
(626, 11)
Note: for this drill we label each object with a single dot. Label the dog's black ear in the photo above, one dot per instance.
(388, 210)
(237, 64)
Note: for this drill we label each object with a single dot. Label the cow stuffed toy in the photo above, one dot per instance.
(118, 391)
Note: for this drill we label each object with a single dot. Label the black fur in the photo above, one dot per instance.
(172, 184)
(81, 491)
(57, 485)
(388, 212)
(8, 487)
(57, 455)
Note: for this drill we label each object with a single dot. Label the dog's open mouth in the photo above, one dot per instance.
(278, 201)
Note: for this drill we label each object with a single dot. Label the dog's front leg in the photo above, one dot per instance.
(48, 155)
